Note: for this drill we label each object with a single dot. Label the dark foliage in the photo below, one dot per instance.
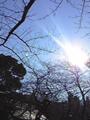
(11, 104)
(11, 72)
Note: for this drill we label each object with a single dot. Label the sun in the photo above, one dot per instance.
(75, 55)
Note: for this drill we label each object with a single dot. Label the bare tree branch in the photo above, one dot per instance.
(24, 15)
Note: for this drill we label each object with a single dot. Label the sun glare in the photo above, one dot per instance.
(75, 55)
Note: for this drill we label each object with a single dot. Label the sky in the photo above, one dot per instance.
(61, 26)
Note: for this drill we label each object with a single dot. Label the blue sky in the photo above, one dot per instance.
(61, 25)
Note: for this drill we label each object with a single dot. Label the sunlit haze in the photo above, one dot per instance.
(73, 53)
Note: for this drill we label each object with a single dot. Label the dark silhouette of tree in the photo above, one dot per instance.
(67, 81)
(48, 85)
(11, 72)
